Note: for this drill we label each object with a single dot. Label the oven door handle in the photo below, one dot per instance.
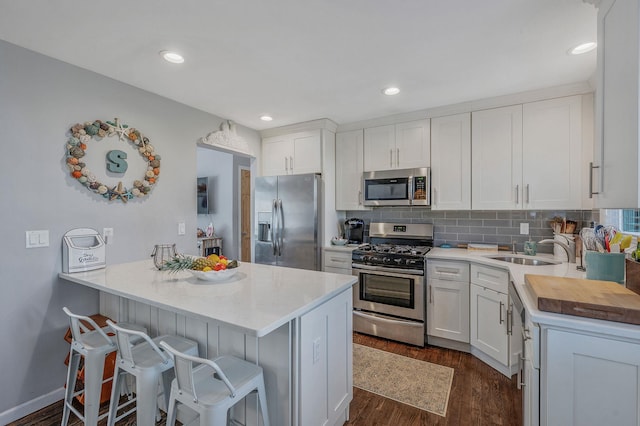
(382, 318)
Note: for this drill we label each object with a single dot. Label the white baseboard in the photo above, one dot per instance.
(18, 412)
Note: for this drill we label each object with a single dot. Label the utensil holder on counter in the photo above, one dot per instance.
(605, 266)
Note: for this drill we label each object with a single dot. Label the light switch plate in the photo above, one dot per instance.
(524, 228)
(181, 228)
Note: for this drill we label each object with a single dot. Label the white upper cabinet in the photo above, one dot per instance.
(528, 156)
(397, 146)
(295, 153)
(496, 158)
(552, 154)
(615, 177)
(451, 162)
(349, 167)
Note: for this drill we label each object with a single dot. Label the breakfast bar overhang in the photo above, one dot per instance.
(295, 323)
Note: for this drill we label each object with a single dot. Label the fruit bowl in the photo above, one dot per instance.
(339, 241)
(222, 275)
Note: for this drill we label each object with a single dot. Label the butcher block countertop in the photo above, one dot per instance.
(603, 300)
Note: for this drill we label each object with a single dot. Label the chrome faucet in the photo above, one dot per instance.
(570, 256)
(513, 247)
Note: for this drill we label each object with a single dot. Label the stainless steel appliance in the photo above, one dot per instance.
(354, 230)
(389, 297)
(287, 231)
(403, 187)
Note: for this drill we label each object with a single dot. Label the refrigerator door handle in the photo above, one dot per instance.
(274, 225)
(280, 227)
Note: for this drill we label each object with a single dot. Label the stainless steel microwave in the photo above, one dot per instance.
(402, 187)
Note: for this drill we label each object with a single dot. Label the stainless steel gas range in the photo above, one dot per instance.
(389, 297)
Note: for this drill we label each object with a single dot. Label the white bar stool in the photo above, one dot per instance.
(209, 394)
(148, 364)
(94, 345)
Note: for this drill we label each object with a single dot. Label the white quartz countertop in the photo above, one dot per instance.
(257, 299)
(518, 272)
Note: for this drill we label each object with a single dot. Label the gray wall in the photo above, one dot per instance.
(479, 226)
(40, 98)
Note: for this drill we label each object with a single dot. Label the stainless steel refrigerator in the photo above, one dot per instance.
(287, 231)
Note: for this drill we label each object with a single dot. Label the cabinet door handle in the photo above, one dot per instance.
(501, 318)
(510, 321)
(431, 294)
(286, 164)
(591, 167)
(397, 157)
(519, 381)
(291, 163)
(435, 196)
(517, 194)
(527, 194)
(390, 158)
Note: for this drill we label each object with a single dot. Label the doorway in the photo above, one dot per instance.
(245, 215)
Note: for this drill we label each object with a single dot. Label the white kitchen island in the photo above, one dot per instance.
(295, 323)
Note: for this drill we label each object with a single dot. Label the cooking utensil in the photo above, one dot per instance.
(588, 237)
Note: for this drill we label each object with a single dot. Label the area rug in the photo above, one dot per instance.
(410, 381)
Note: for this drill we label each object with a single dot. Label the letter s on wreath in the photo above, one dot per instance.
(81, 134)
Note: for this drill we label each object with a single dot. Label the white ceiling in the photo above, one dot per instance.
(300, 60)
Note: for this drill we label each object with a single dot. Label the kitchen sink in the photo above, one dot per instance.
(528, 261)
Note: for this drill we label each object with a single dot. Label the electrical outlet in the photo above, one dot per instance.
(524, 228)
(107, 234)
(181, 228)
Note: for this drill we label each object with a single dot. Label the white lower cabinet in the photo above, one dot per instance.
(337, 260)
(488, 316)
(495, 330)
(589, 379)
(448, 300)
(530, 368)
(326, 360)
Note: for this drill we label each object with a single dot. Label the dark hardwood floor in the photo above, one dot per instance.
(479, 396)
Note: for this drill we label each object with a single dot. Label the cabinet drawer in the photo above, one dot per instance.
(493, 278)
(335, 259)
(342, 271)
(448, 270)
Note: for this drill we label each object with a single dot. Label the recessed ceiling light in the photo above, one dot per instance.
(583, 48)
(266, 117)
(390, 91)
(173, 57)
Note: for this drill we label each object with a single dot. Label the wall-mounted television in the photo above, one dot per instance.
(205, 195)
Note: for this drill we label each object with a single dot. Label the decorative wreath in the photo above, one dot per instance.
(81, 134)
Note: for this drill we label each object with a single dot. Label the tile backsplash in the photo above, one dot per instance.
(500, 227)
